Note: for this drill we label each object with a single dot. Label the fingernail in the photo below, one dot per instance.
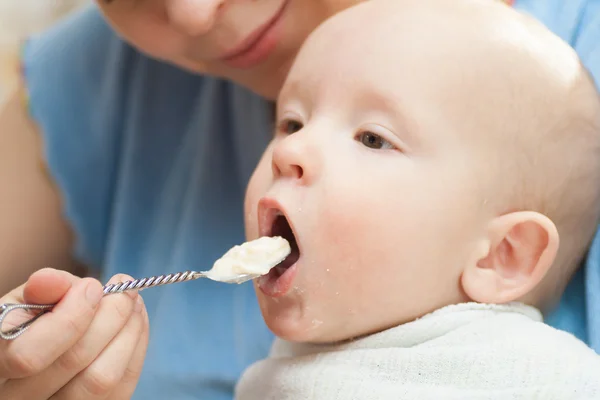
(139, 304)
(93, 294)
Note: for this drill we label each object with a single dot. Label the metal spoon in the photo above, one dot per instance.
(138, 284)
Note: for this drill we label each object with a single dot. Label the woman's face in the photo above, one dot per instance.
(252, 42)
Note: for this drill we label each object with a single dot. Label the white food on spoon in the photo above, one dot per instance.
(256, 257)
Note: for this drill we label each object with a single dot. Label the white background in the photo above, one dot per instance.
(18, 18)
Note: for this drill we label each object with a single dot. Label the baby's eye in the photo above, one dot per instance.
(289, 126)
(373, 141)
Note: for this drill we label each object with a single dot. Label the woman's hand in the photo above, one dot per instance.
(89, 347)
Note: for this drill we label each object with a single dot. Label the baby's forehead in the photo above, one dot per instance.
(393, 57)
(394, 38)
(479, 62)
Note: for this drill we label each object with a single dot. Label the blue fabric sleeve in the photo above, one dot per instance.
(74, 75)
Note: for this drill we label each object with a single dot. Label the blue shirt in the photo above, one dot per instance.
(152, 163)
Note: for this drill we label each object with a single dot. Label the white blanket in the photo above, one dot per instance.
(466, 351)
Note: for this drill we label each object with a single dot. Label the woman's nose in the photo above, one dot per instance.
(193, 17)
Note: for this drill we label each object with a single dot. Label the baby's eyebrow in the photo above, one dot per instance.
(294, 87)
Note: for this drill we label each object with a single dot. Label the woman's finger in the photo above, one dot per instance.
(113, 313)
(132, 373)
(47, 286)
(53, 333)
(98, 380)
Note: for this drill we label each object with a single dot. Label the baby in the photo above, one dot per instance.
(428, 156)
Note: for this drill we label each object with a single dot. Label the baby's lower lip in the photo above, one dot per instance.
(274, 285)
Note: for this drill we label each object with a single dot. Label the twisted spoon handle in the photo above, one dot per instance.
(144, 283)
(111, 288)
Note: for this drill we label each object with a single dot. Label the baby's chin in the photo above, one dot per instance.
(296, 331)
(312, 332)
(291, 323)
(288, 320)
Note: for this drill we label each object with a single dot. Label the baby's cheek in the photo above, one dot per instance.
(250, 215)
(257, 188)
(355, 229)
(349, 244)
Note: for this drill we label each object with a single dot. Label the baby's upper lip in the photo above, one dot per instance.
(268, 210)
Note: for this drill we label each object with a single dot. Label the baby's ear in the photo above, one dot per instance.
(520, 248)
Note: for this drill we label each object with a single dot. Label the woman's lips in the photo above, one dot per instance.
(258, 45)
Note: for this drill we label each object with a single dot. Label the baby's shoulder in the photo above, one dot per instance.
(526, 337)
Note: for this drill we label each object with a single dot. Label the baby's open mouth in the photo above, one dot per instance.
(281, 227)
(273, 222)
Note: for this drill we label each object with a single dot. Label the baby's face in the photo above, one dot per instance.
(374, 171)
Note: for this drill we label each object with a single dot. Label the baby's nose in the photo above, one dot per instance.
(193, 17)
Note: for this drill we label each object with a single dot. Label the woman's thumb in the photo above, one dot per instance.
(48, 286)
